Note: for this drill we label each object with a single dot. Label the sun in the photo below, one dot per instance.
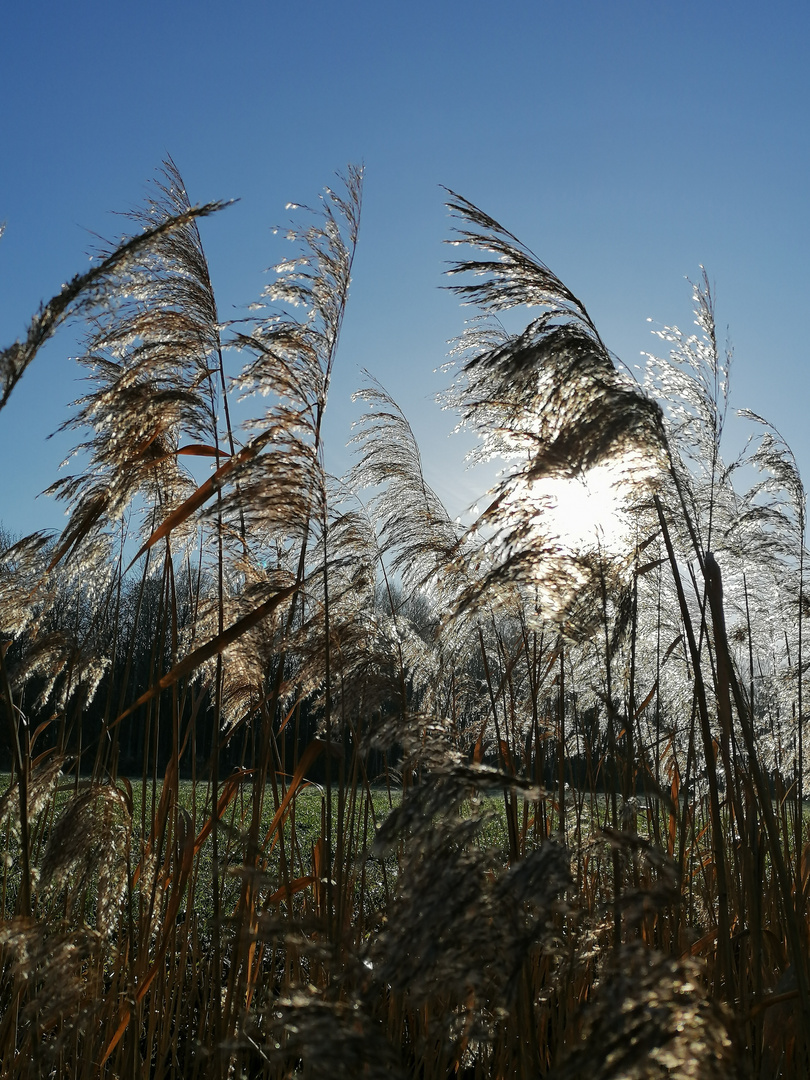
(587, 512)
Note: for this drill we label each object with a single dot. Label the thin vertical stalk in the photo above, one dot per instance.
(561, 741)
(799, 891)
(723, 924)
(21, 765)
(328, 724)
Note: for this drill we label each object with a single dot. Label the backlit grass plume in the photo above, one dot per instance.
(86, 293)
(551, 401)
(154, 356)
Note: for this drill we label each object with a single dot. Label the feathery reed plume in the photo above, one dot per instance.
(279, 481)
(85, 293)
(58, 966)
(693, 385)
(462, 931)
(553, 392)
(87, 849)
(649, 1018)
(42, 784)
(415, 530)
(325, 1036)
(273, 489)
(785, 515)
(552, 399)
(782, 480)
(435, 561)
(362, 641)
(24, 592)
(153, 354)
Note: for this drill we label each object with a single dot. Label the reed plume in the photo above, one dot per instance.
(551, 399)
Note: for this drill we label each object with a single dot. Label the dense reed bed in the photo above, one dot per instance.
(307, 779)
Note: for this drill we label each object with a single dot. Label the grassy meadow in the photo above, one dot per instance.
(303, 777)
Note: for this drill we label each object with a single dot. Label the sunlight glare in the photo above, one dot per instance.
(587, 512)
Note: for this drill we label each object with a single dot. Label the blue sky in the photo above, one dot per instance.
(625, 141)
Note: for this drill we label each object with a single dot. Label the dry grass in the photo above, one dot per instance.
(407, 800)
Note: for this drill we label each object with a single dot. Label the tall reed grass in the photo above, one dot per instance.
(306, 784)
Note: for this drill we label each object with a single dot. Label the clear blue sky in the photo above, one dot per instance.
(625, 141)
